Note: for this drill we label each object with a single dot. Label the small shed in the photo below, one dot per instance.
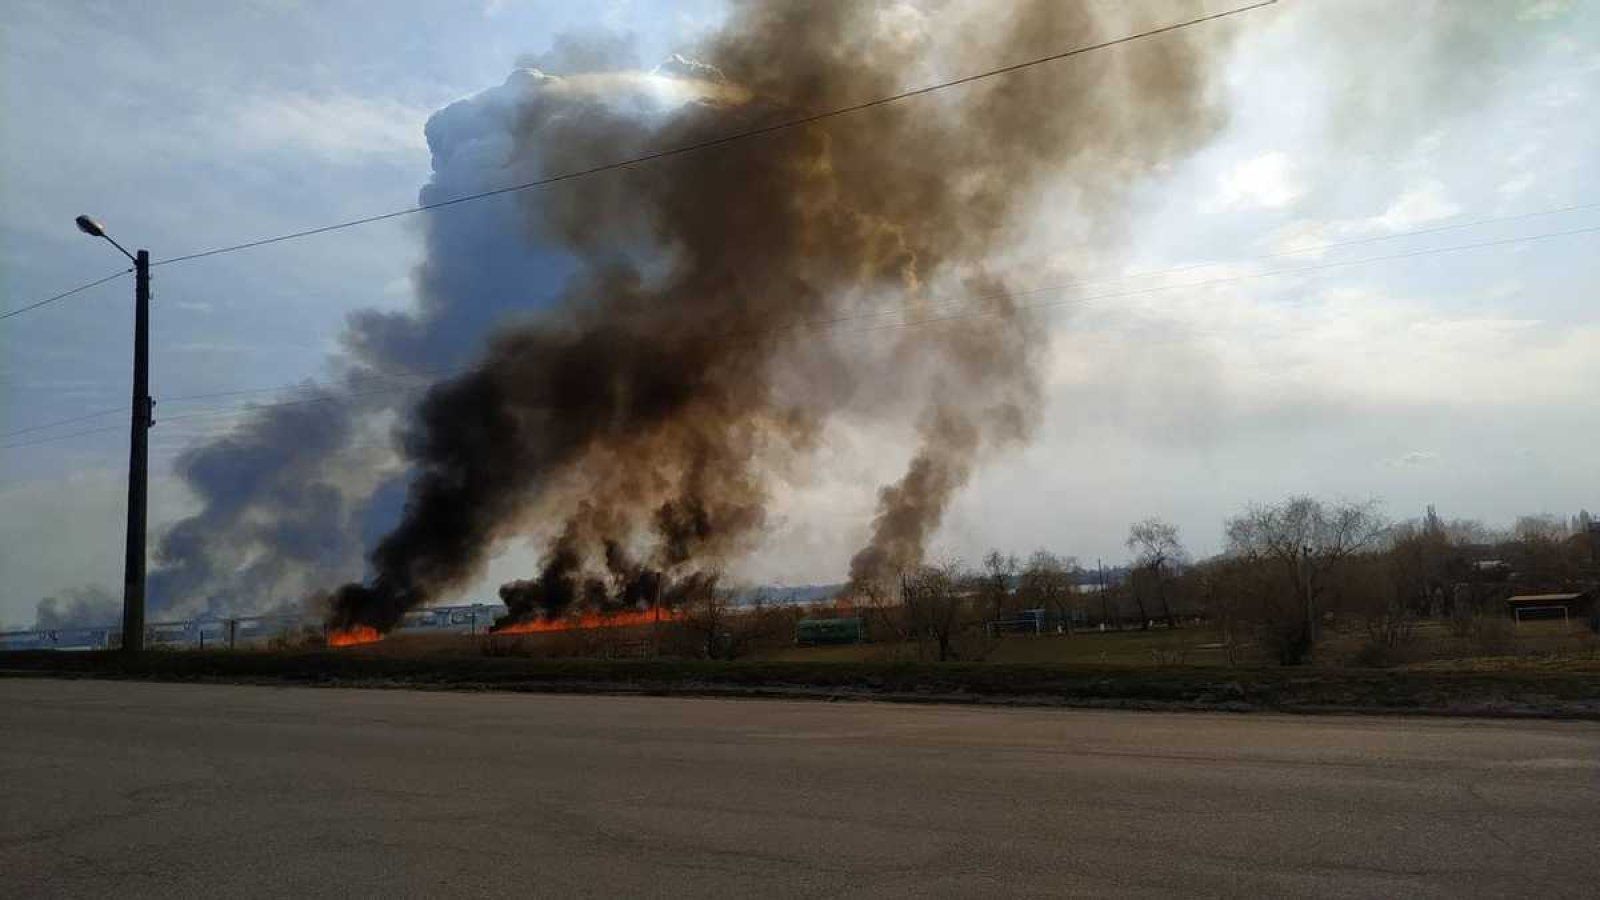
(1569, 605)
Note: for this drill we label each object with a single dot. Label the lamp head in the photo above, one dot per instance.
(90, 227)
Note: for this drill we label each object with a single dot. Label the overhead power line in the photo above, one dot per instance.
(59, 422)
(661, 154)
(62, 437)
(1230, 279)
(717, 141)
(331, 398)
(63, 295)
(355, 378)
(1426, 251)
(824, 325)
(1298, 251)
(212, 395)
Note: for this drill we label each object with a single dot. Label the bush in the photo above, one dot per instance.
(712, 628)
(1289, 641)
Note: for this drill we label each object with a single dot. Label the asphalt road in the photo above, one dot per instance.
(128, 789)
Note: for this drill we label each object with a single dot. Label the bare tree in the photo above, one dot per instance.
(1542, 554)
(999, 571)
(1427, 559)
(1299, 544)
(715, 623)
(880, 603)
(937, 608)
(1048, 582)
(1220, 585)
(1157, 552)
(704, 627)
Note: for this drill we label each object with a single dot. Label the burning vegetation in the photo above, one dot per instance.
(591, 621)
(640, 420)
(354, 636)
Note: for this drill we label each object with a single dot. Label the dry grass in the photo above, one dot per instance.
(1517, 691)
(1495, 646)
(1539, 646)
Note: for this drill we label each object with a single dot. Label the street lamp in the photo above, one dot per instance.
(138, 444)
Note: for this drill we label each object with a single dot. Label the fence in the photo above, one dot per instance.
(243, 632)
(1039, 621)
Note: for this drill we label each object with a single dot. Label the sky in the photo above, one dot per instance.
(1221, 354)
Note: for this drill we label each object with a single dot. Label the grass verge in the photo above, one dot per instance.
(1502, 693)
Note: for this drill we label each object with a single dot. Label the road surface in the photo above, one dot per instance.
(129, 789)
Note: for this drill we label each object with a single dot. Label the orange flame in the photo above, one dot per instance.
(354, 636)
(587, 621)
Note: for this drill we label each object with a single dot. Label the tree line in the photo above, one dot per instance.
(1288, 572)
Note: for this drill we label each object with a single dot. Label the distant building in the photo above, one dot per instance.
(1491, 569)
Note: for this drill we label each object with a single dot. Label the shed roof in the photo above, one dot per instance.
(1546, 598)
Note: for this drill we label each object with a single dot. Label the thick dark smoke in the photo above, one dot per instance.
(646, 411)
(664, 301)
(294, 524)
(623, 585)
(909, 510)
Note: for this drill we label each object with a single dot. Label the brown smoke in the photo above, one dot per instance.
(649, 411)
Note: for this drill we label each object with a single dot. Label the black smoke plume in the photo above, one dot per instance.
(645, 412)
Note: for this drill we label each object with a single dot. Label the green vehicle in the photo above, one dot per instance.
(816, 632)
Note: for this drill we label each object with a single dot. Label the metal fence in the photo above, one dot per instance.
(1038, 621)
(243, 632)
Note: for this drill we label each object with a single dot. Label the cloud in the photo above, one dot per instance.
(337, 128)
(1277, 351)
(1265, 182)
(1518, 184)
(1413, 459)
(1544, 10)
(1415, 207)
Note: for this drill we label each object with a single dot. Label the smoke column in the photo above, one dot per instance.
(893, 208)
(680, 365)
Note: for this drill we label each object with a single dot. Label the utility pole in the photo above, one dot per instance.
(1305, 585)
(1105, 602)
(138, 461)
(655, 626)
(141, 418)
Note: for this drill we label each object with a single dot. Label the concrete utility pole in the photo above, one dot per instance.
(138, 461)
(1305, 585)
(1105, 601)
(141, 418)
